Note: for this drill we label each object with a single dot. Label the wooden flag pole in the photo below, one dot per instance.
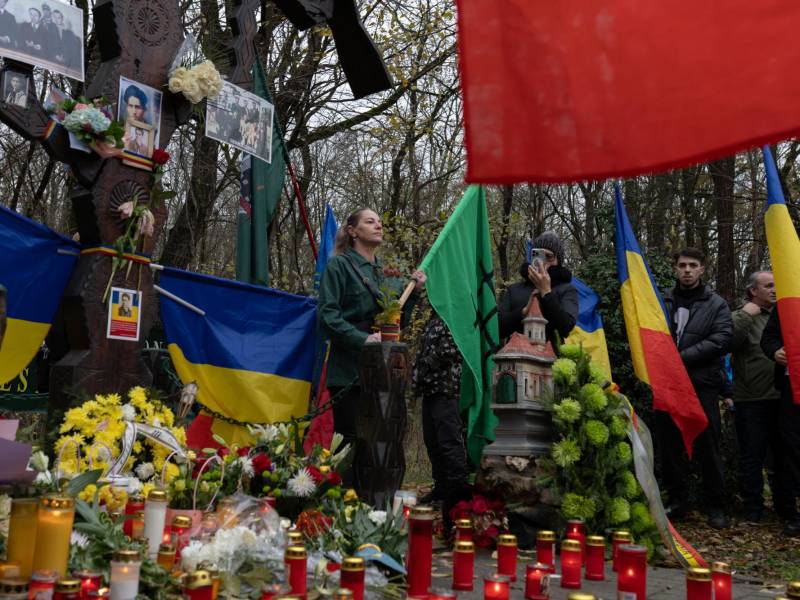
(407, 292)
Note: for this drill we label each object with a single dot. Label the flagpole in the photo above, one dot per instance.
(407, 292)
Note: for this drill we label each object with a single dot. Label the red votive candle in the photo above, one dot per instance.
(90, 581)
(134, 505)
(273, 590)
(537, 577)
(441, 594)
(420, 551)
(577, 528)
(464, 529)
(595, 558)
(723, 581)
(353, 571)
(496, 587)
(571, 564)
(181, 525)
(581, 539)
(463, 565)
(198, 585)
(619, 538)
(546, 549)
(698, 584)
(296, 558)
(507, 555)
(632, 572)
(67, 589)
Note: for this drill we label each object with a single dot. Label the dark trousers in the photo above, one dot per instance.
(758, 432)
(789, 417)
(345, 409)
(444, 441)
(674, 464)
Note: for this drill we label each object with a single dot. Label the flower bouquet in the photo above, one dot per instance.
(92, 123)
(488, 518)
(192, 75)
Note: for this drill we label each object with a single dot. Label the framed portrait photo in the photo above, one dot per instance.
(141, 103)
(15, 88)
(139, 138)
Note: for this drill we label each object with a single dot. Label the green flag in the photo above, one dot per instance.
(461, 291)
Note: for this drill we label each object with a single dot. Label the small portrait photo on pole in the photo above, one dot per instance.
(15, 88)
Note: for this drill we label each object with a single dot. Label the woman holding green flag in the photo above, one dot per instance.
(348, 304)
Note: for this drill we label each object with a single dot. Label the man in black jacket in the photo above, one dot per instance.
(701, 325)
(789, 423)
(558, 298)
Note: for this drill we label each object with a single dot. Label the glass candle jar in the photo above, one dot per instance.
(793, 589)
(67, 589)
(197, 585)
(496, 587)
(619, 538)
(124, 581)
(155, 518)
(13, 588)
(296, 558)
(43, 584)
(166, 556)
(180, 528)
(295, 538)
(208, 525)
(137, 525)
(343, 594)
(537, 579)
(571, 564)
(270, 591)
(441, 594)
(90, 580)
(21, 540)
(546, 549)
(722, 580)
(226, 512)
(463, 565)
(581, 596)
(595, 558)
(352, 576)
(53, 532)
(10, 570)
(698, 584)
(103, 592)
(632, 572)
(134, 505)
(463, 529)
(419, 557)
(507, 555)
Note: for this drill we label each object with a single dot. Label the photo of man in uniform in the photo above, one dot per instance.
(125, 306)
(15, 89)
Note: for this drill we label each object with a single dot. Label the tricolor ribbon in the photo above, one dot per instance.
(112, 252)
(50, 130)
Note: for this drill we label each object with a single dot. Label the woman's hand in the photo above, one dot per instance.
(374, 337)
(420, 278)
(540, 279)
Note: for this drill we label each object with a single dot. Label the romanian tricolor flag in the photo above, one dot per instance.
(250, 349)
(784, 250)
(655, 357)
(35, 267)
(588, 331)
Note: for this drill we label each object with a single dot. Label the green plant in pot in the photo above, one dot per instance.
(388, 320)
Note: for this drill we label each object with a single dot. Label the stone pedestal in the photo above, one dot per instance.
(379, 463)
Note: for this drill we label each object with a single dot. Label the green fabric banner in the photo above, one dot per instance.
(461, 291)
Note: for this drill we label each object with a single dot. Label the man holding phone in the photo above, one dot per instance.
(544, 275)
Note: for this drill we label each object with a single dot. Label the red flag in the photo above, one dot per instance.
(568, 91)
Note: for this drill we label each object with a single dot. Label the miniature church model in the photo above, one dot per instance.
(523, 365)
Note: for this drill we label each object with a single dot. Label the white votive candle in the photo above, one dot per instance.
(155, 517)
(124, 582)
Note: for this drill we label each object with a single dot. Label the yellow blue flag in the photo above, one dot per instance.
(588, 331)
(251, 353)
(35, 266)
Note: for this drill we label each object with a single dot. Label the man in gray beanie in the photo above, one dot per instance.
(546, 277)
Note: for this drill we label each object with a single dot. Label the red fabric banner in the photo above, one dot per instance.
(577, 90)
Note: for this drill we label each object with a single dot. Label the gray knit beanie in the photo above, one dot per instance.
(548, 240)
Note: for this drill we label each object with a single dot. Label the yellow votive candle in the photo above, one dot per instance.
(22, 534)
(54, 528)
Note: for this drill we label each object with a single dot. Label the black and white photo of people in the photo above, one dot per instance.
(46, 34)
(241, 119)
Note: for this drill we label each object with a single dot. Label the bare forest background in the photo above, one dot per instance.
(401, 153)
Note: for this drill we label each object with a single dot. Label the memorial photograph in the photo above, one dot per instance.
(241, 119)
(45, 34)
(15, 88)
(139, 138)
(141, 103)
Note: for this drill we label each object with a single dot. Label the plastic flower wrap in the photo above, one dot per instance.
(567, 411)
(593, 397)
(566, 452)
(565, 371)
(596, 432)
(619, 511)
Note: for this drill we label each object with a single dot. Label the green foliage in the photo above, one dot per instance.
(589, 466)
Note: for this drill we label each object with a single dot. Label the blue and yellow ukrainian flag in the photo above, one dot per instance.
(327, 238)
(35, 266)
(251, 353)
(588, 331)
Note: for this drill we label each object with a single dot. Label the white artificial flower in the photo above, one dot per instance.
(128, 412)
(43, 478)
(302, 484)
(377, 516)
(134, 486)
(39, 461)
(247, 465)
(144, 471)
(78, 539)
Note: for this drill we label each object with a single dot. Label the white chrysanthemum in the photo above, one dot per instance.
(43, 478)
(128, 412)
(134, 486)
(156, 422)
(39, 461)
(302, 484)
(144, 471)
(247, 465)
(78, 539)
(377, 516)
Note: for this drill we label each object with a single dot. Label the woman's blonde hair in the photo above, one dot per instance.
(343, 240)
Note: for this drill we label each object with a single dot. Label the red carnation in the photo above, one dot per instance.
(334, 478)
(223, 452)
(243, 451)
(160, 157)
(261, 463)
(315, 473)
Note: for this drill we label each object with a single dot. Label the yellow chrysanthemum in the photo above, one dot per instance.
(87, 494)
(171, 472)
(147, 488)
(137, 395)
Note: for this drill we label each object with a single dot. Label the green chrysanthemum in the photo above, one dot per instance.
(567, 411)
(566, 452)
(565, 371)
(619, 511)
(622, 452)
(641, 518)
(596, 432)
(597, 373)
(575, 506)
(593, 397)
(572, 351)
(618, 426)
(630, 487)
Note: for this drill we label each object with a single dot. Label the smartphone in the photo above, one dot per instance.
(537, 259)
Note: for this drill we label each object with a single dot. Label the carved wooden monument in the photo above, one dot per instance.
(138, 40)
